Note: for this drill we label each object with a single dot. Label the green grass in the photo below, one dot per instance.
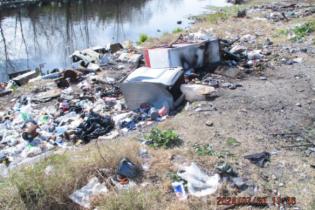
(301, 31)
(232, 142)
(298, 32)
(31, 188)
(204, 150)
(222, 14)
(143, 38)
(177, 30)
(162, 139)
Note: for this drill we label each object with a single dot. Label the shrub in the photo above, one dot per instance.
(165, 139)
(143, 38)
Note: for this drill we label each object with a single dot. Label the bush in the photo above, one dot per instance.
(303, 30)
(165, 139)
(143, 38)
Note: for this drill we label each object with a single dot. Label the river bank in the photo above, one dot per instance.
(270, 111)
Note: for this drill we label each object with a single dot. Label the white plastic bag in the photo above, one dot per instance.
(199, 184)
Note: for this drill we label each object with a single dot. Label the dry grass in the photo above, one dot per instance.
(71, 171)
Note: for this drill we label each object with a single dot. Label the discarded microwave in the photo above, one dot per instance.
(158, 87)
(187, 55)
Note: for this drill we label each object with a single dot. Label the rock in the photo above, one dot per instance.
(298, 104)
(241, 13)
(195, 92)
(209, 123)
(231, 85)
(179, 22)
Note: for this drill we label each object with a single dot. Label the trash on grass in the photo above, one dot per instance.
(84, 195)
(199, 184)
(259, 159)
(127, 169)
(179, 190)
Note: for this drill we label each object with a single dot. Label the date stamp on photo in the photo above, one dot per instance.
(256, 201)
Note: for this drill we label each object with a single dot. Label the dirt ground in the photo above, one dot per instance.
(274, 115)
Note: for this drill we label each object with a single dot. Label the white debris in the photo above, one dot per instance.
(248, 38)
(195, 92)
(84, 195)
(199, 184)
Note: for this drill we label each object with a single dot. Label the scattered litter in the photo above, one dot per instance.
(127, 169)
(179, 190)
(94, 126)
(195, 92)
(198, 183)
(259, 159)
(84, 196)
(231, 86)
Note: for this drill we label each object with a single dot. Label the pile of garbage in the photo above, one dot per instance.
(286, 11)
(103, 96)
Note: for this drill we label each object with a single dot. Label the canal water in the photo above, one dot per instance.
(45, 35)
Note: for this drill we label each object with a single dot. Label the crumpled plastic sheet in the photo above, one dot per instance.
(84, 195)
(199, 184)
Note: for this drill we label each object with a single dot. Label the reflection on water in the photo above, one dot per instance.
(49, 34)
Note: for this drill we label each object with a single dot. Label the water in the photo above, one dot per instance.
(46, 35)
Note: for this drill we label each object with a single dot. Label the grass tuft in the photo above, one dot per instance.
(32, 188)
(300, 32)
(143, 38)
(177, 30)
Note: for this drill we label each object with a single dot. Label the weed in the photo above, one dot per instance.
(174, 177)
(222, 14)
(165, 139)
(143, 38)
(177, 30)
(31, 188)
(204, 149)
(301, 31)
(232, 142)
